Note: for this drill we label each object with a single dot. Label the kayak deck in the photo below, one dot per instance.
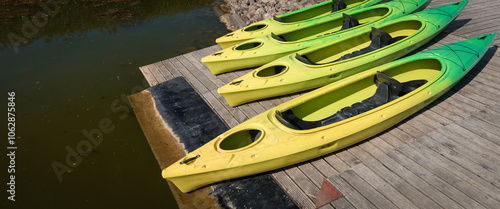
(465, 119)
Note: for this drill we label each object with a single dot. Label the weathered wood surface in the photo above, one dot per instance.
(445, 156)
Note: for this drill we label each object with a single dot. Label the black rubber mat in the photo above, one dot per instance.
(195, 123)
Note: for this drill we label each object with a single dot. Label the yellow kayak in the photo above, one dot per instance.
(330, 118)
(292, 20)
(322, 64)
(264, 49)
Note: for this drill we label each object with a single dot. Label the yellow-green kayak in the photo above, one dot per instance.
(322, 64)
(264, 49)
(292, 20)
(330, 118)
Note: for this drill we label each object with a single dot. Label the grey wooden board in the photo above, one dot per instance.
(463, 124)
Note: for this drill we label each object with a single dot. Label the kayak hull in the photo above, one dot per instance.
(419, 28)
(294, 19)
(277, 145)
(261, 50)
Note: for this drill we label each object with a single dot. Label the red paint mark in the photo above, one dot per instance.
(327, 194)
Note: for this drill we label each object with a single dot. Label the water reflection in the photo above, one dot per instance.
(24, 21)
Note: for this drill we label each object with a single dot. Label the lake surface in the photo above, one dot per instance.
(71, 65)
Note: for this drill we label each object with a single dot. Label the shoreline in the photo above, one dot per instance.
(236, 14)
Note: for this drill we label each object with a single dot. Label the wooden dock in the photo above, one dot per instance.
(445, 156)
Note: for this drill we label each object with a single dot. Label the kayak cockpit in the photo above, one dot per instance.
(335, 25)
(388, 89)
(379, 39)
(361, 44)
(360, 96)
(331, 7)
(239, 140)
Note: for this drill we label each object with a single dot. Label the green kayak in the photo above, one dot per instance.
(322, 64)
(264, 49)
(292, 20)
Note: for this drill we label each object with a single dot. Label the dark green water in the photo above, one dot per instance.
(71, 76)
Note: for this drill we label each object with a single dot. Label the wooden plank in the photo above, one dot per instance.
(304, 183)
(237, 113)
(171, 68)
(439, 108)
(441, 182)
(461, 172)
(476, 97)
(480, 89)
(348, 158)
(387, 142)
(324, 168)
(356, 199)
(432, 120)
(360, 153)
(164, 71)
(315, 176)
(477, 22)
(384, 187)
(434, 165)
(488, 83)
(196, 73)
(413, 130)
(484, 173)
(482, 128)
(456, 131)
(373, 150)
(365, 189)
(462, 104)
(470, 151)
(415, 196)
(490, 116)
(247, 110)
(485, 153)
(418, 183)
(395, 134)
(478, 27)
(148, 75)
(339, 165)
(156, 73)
(342, 203)
(295, 193)
(266, 104)
(257, 107)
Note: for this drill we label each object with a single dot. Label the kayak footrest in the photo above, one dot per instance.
(338, 5)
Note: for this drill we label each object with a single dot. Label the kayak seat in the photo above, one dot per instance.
(388, 89)
(277, 19)
(349, 22)
(338, 5)
(278, 37)
(379, 39)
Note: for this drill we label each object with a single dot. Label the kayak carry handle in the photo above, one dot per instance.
(190, 159)
(236, 82)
